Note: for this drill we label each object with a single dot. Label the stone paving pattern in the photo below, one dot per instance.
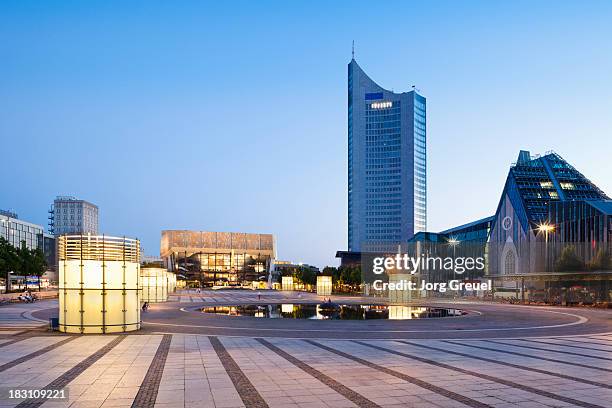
(201, 371)
(263, 369)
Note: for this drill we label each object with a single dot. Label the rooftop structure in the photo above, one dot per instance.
(535, 181)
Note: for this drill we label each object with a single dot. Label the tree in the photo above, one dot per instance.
(9, 261)
(307, 276)
(39, 264)
(301, 274)
(601, 261)
(356, 276)
(25, 262)
(348, 275)
(569, 260)
(345, 275)
(329, 271)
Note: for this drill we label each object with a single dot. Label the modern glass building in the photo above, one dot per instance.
(528, 210)
(551, 240)
(387, 164)
(218, 258)
(588, 222)
(16, 231)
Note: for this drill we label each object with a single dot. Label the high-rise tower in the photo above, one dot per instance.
(387, 164)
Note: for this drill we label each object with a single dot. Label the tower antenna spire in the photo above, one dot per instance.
(353, 51)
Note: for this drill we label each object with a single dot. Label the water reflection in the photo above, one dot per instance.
(332, 311)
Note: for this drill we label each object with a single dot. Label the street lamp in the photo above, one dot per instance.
(454, 242)
(546, 228)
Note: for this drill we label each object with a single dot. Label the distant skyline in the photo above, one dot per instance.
(232, 117)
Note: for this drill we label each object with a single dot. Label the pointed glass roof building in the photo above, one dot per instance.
(387, 164)
(535, 183)
(546, 205)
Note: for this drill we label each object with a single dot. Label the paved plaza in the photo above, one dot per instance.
(174, 362)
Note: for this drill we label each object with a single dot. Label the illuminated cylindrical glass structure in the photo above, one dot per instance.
(287, 283)
(324, 285)
(154, 284)
(98, 284)
(171, 282)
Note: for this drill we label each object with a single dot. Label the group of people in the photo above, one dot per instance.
(27, 297)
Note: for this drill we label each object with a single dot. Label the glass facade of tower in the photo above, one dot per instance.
(420, 164)
(383, 172)
(387, 176)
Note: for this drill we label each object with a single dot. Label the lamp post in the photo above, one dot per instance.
(454, 242)
(546, 228)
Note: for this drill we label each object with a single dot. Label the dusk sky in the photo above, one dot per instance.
(232, 117)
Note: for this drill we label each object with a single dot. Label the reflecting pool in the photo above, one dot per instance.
(333, 311)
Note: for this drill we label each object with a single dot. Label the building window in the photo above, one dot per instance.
(509, 263)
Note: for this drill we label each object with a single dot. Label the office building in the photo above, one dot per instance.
(218, 258)
(387, 164)
(69, 215)
(16, 231)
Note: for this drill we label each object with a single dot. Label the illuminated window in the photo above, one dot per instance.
(568, 186)
(553, 194)
(546, 184)
(381, 105)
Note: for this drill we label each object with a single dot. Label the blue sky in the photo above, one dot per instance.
(232, 117)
